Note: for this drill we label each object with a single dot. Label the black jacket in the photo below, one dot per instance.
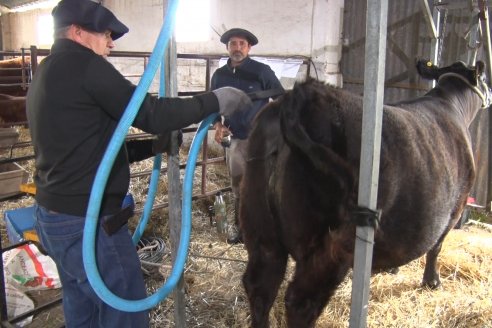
(74, 104)
(251, 76)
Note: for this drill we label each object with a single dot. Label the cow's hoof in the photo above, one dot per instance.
(393, 270)
(236, 239)
(431, 284)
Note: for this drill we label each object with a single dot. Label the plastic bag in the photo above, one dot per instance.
(27, 269)
(17, 304)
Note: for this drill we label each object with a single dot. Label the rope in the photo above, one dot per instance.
(486, 98)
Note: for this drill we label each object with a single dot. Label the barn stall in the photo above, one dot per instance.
(336, 58)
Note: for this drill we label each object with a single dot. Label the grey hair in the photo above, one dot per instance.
(61, 32)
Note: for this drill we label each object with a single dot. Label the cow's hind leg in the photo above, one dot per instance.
(431, 275)
(315, 281)
(262, 278)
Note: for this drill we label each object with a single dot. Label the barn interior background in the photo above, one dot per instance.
(324, 37)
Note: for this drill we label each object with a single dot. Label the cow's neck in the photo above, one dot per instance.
(466, 98)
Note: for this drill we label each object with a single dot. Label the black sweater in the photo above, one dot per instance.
(250, 76)
(74, 104)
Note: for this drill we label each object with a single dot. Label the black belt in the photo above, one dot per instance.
(118, 220)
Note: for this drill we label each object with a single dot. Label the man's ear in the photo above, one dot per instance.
(78, 30)
(74, 32)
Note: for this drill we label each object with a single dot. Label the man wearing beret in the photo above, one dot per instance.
(74, 104)
(252, 77)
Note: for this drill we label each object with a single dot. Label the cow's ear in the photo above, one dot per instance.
(480, 69)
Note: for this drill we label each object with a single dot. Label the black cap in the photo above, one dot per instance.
(239, 32)
(89, 15)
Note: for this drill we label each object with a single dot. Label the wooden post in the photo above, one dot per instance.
(174, 194)
(34, 60)
(174, 182)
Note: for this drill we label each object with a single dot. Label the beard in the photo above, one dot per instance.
(237, 56)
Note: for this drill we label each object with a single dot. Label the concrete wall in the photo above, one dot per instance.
(309, 28)
(19, 30)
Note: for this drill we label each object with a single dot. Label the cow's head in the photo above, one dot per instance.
(473, 75)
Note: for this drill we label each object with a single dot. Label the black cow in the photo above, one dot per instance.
(299, 194)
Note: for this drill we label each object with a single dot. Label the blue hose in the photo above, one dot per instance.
(154, 179)
(149, 203)
(92, 217)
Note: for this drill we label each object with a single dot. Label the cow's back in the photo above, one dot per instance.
(414, 151)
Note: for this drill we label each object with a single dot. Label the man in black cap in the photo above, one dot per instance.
(74, 104)
(252, 77)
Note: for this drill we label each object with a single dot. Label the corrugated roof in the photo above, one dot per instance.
(15, 3)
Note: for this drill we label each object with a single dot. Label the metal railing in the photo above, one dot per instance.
(35, 54)
(21, 80)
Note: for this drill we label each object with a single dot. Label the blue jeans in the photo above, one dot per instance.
(117, 262)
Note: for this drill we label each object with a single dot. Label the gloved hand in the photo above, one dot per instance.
(162, 143)
(139, 149)
(231, 100)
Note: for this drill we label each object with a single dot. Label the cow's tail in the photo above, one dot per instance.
(300, 104)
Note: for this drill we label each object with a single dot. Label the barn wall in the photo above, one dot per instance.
(407, 38)
(310, 28)
(19, 30)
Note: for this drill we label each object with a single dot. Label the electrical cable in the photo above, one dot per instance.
(151, 250)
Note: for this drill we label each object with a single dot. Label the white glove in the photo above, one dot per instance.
(231, 100)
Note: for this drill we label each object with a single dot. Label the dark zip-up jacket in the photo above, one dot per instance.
(250, 76)
(74, 104)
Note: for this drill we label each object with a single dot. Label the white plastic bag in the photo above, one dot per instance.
(27, 269)
(17, 304)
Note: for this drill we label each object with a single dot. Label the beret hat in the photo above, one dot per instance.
(88, 14)
(239, 32)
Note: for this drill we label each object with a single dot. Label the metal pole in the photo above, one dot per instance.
(433, 28)
(484, 17)
(433, 22)
(436, 44)
(474, 38)
(375, 53)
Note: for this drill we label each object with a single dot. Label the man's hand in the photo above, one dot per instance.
(221, 131)
(231, 100)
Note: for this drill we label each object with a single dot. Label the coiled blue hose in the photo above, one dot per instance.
(104, 170)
